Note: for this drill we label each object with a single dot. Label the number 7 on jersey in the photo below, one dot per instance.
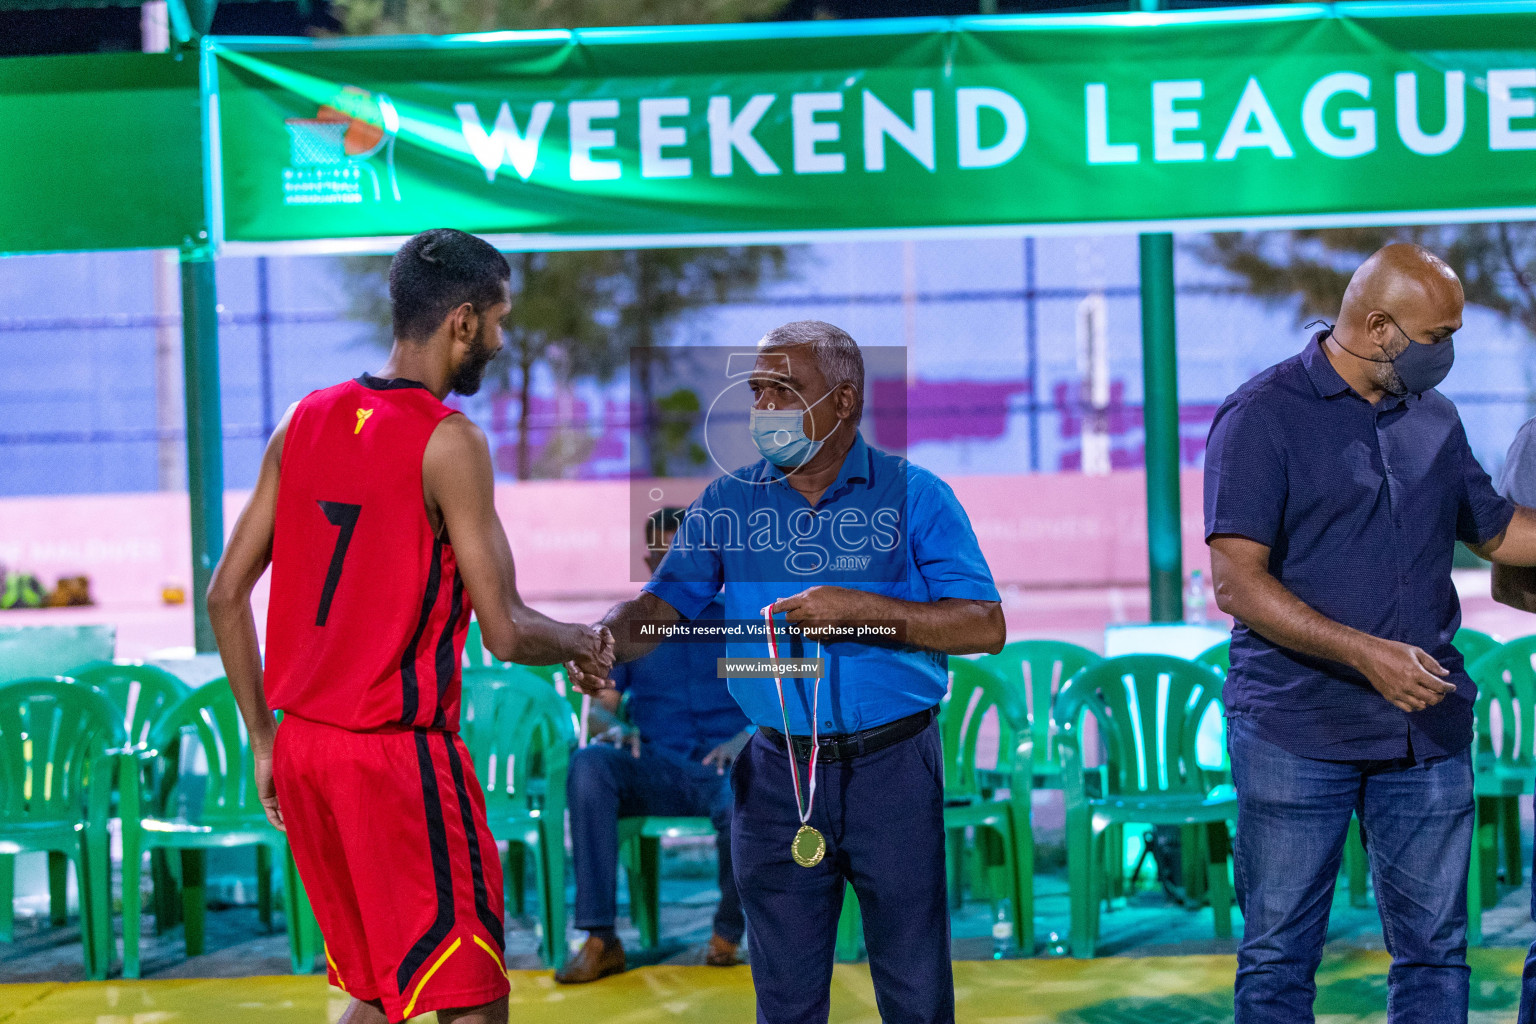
(342, 515)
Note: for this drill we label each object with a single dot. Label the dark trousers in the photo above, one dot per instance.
(1292, 820)
(608, 783)
(883, 818)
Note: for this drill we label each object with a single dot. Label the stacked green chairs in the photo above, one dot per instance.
(1039, 669)
(144, 693)
(1148, 710)
(58, 741)
(1005, 846)
(1503, 765)
(520, 733)
(1474, 644)
(202, 797)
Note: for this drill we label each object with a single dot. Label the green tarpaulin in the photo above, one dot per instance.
(1302, 114)
(100, 152)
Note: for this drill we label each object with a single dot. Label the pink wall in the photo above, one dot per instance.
(572, 539)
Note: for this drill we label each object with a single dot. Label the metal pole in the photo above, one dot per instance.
(264, 343)
(1032, 353)
(205, 440)
(1160, 415)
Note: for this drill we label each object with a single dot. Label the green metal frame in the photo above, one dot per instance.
(1160, 414)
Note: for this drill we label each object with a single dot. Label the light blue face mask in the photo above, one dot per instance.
(780, 435)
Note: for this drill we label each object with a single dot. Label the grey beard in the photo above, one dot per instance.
(1390, 382)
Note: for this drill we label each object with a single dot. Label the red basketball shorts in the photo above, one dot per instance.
(388, 832)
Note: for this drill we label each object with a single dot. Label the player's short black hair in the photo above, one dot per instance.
(662, 522)
(437, 271)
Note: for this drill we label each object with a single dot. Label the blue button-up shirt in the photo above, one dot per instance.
(676, 698)
(883, 526)
(1360, 506)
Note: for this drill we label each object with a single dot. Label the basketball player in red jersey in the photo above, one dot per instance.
(374, 509)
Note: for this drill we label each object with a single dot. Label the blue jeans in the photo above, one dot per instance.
(1528, 977)
(1293, 818)
(607, 783)
(882, 816)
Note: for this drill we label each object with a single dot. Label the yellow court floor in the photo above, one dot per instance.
(1151, 990)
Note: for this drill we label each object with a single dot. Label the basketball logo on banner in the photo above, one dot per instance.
(331, 155)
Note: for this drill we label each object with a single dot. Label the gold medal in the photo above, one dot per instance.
(808, 848)
(809, 845)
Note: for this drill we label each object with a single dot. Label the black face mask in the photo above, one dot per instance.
(1419, 367)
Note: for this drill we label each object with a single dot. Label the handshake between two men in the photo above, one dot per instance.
(816, 611)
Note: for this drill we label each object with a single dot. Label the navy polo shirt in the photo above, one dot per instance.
(675, 698)
(884, 526)
(1360, 506)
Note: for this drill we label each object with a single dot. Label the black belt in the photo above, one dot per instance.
(846, 746)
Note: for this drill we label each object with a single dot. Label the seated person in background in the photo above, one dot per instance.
(671, 758)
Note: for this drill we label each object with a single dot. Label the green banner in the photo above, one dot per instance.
(1302, 114)
(100, 152)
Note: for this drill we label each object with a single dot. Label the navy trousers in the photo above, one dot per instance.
(607, 783)
(883, 818)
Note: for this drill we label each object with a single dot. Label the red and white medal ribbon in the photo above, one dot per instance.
(794, 768)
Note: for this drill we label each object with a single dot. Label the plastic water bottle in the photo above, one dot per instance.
(1194, 599)
(1002, 931)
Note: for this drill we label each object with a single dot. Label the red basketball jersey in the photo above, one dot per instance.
(366, 623)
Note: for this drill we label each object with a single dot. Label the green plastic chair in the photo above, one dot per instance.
(144, 694)
(1217, 658)
(520, 734)
(478, 657)
(1474, 644)
(640, 852)
(1051, 663)
(1501, 773)
(1005, 846)
(1148, 710)
(225, 813)
(1503, 766)
(57, 744)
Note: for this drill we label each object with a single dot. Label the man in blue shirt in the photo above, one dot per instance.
(828, 532)
(670, 758)
(1336, 485)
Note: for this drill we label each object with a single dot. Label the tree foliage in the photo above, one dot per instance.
(581, 313)
(379, 17)
(590, 316)
(1310, 269)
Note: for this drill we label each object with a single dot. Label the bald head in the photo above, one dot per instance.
(1400, 277)
(1401, 295)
